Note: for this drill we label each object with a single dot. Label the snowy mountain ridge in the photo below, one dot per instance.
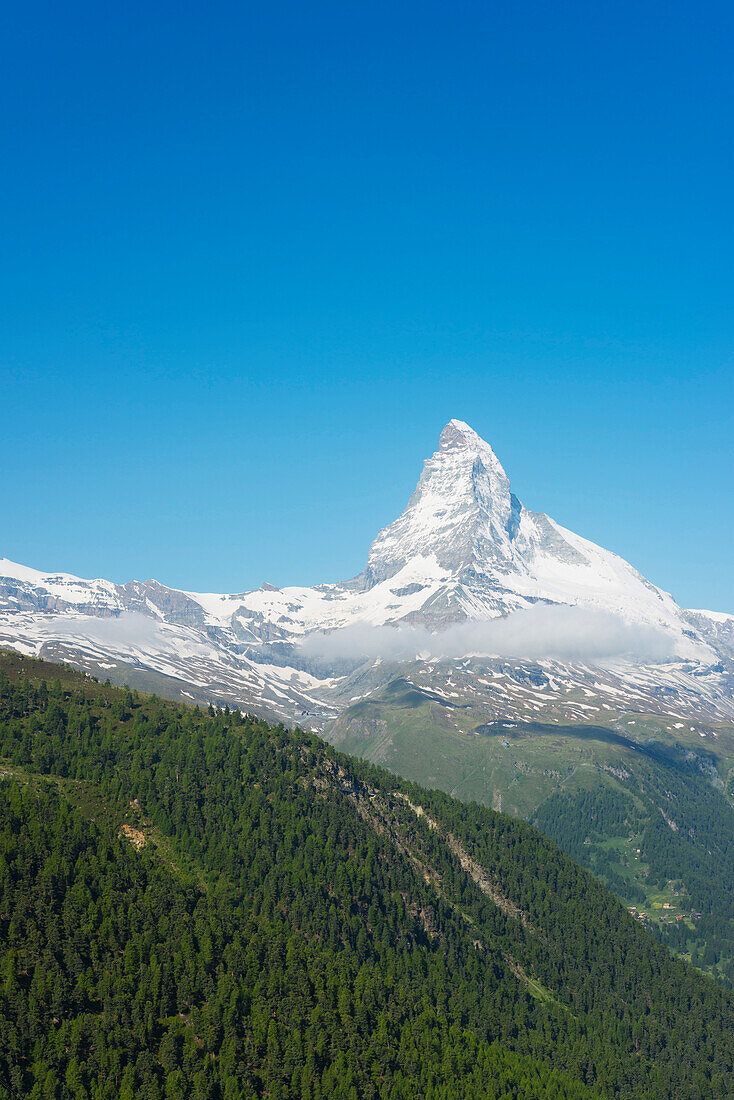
(464, 549)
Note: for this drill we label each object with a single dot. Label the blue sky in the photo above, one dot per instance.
(254, 258)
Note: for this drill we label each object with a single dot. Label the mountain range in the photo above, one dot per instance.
(465, 572)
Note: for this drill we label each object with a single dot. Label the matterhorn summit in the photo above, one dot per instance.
(481, 554)
(463, 551)
(462, 511)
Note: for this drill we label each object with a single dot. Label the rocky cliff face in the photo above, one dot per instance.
(716, 628)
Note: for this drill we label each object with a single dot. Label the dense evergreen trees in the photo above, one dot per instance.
(293, 927)
(684, 827)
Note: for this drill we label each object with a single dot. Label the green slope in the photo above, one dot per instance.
(662, 836)
(668, 846)
(299, 924)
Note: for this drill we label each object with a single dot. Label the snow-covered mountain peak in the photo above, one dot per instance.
(458, 435)
(462, 512)
(460, 444)
(466, 548)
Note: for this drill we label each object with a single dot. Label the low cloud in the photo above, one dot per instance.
(562, 633)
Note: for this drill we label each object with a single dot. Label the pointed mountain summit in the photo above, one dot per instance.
(462, 513)
(457, 435)
(476, 552)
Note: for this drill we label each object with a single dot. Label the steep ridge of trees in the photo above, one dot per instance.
(296, 927)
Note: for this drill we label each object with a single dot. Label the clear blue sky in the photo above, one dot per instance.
(255, 256)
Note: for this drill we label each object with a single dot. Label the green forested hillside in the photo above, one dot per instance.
(199, 905)
(643, 804)
(662, 837)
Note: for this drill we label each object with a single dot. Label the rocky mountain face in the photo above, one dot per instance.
(465, 550)
(716, 628)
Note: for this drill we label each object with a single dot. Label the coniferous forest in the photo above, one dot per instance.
(197, 904)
